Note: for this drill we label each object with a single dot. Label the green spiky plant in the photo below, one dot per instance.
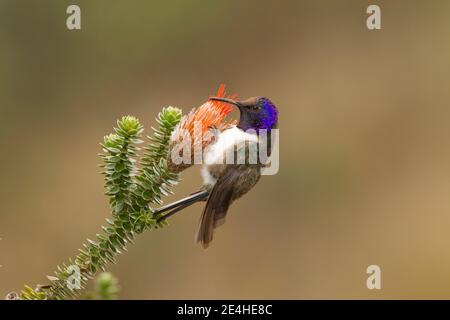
(106, 287)
(132, 187)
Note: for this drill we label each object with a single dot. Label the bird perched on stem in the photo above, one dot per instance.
(224, 182)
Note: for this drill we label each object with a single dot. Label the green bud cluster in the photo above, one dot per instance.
(131, 191)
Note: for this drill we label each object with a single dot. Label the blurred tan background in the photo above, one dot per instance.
(365, 150)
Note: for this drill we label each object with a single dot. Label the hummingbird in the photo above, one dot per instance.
(223, 183)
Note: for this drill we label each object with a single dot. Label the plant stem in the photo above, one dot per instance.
(131, 191)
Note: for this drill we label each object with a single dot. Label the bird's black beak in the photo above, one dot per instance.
(233, 102)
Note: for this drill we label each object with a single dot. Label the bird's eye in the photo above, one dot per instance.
(255, 107)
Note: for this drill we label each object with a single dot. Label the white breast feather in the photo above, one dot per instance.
(215, 153)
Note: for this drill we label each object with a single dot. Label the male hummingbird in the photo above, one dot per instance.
(222, 182)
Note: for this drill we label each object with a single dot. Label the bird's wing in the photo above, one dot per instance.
(217, 205)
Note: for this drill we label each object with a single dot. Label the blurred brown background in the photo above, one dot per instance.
(365, 150)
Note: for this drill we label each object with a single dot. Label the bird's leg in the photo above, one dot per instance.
(170, 213)
(181, 204)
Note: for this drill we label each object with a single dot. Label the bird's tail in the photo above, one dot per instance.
(213, 215)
